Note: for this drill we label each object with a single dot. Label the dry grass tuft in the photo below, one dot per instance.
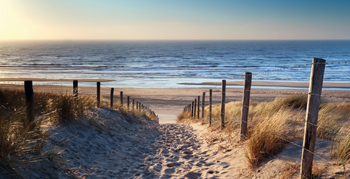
(341, 146)
(184, 115)
(332, 117)
(294, 101)
(317, 170)
(289, 170)
(268, 137)
(63, 108)
(133, 112)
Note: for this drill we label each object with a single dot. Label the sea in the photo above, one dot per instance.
(170, 64)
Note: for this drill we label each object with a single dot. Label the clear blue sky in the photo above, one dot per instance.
(174, 19)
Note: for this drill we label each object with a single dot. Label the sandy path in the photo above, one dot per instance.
(182, 152)
(108, 144)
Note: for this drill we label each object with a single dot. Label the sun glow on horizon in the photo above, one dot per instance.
(167, 20)
(12, 25)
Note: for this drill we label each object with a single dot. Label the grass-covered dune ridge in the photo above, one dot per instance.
(24, 150)
(272, 125)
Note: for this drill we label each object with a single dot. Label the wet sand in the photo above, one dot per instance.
(275, 84)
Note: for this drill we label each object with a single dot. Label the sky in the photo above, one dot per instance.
(174, 19)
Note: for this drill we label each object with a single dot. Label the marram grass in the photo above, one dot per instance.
(272, 124)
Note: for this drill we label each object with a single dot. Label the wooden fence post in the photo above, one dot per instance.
(137, 105)
(195, 106)
(203, 101)
(98, 93)
(312, 109)
(29, 95)
(112, 94)
(245, 106)
(133, 104)
(199, 102)
(192, 110)
(75, 92)
(121, 98)
(223, 95)
(210, 104)
(128, 101)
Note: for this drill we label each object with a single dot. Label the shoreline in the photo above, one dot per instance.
(292, 85)
(168, 103)
(274, 84)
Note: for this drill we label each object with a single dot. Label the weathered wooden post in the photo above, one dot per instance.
(75, 92)
(121, 98)
(312, 109)
(137, 105)
(98, 93)
(195, 106)
(199, 102)
(111, 99)
(210, 104)
(192, 110)
(29, 95)
(133, 104)
(245, 107)
(223, 95)
(203, 101)
(128, 101)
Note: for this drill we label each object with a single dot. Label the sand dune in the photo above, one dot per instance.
(107, 144)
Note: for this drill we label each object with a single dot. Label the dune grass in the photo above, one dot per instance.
(341, 146)
(267, 137)
(271, 124)
(63, 107)
(136, 113)
(183, 116)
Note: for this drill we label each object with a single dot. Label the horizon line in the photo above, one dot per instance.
(174, 39)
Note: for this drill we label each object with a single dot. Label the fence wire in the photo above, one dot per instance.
(300, 93)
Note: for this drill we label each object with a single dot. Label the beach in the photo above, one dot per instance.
(167, 103)
(174, 89)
